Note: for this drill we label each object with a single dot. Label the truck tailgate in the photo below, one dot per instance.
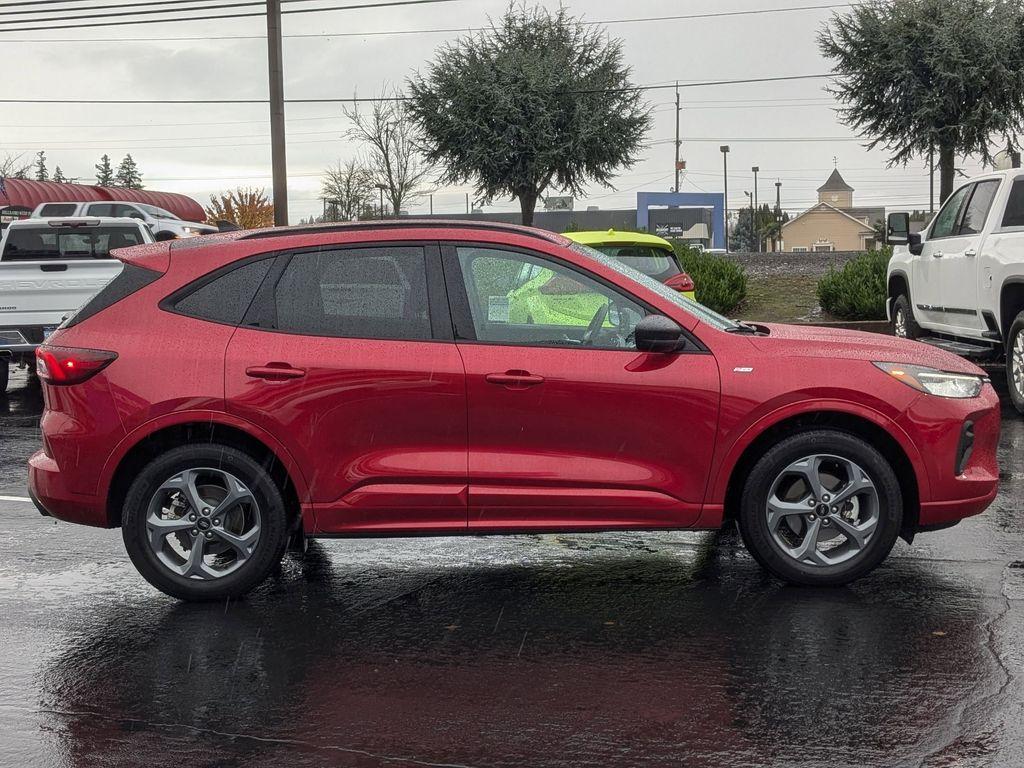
(42, 292)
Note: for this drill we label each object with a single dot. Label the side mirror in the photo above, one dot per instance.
(657, 333)
(897, 230)
(916, 243)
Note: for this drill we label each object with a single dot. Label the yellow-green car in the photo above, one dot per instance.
(650, 254)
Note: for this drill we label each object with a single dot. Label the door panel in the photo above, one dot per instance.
(944, 242)
(610, 438)
(569, 426)
(960, 262)
(377, 424)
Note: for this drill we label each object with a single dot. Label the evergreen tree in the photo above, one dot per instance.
(128, 175)
(40, 165)
(104, 172)
(58, 176)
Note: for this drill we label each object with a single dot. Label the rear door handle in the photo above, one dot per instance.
(274, 372)
(514, 379)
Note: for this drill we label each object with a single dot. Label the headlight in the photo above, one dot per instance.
(939, 383)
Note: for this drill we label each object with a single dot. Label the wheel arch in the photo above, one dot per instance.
(144, 445)
(910, 478)
(1011, 303)
(898, 284)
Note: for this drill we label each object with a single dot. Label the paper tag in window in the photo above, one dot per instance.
(497, 309)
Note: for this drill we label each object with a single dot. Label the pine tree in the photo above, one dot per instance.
(104, 172)
(128, 175)
(40, 165)
(58, 176)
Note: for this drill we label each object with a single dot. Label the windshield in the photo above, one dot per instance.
(159, 213)
(653, 262)
(38, 244)
(701, 312)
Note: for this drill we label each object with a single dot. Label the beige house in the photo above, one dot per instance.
(834, 224)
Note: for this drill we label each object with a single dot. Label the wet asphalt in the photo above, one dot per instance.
(605, 650)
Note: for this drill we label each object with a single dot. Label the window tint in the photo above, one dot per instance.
(977, 209)
(38, 244)
(226, 298)
(1014, 214)
(519, 299)
(367, 293)
(58, 209)
(946, 221)
(101, 209)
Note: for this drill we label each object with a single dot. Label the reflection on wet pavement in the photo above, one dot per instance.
(613, 649)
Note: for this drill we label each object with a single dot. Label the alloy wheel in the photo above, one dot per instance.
(822, 510)
(900, 324)
(203, 523)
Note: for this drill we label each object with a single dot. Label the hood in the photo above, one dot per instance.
(818, 342)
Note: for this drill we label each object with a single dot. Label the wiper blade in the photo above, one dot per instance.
(742, 327)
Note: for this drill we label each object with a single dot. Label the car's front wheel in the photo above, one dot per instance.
(1015, 362)
(821, 508)
(204, 522)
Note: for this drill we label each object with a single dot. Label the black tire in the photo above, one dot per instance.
(5, 376)
(1014, 363)
(902, 306)
(753, 522)
(273, 522)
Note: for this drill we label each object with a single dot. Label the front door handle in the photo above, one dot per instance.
(514, 379)
(937, 254)
(971, 253)
(274, 372)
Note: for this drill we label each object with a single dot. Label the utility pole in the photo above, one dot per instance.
(725, 194)
(278, 156)
(757, 229)
(678, 109)
(778, 212)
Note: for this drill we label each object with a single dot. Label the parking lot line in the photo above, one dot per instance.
(25, 499)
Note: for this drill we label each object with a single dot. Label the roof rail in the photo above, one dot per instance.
(410, 223)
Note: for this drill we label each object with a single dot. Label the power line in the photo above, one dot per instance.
(357, 100)
(125, 9)
(380, 4)
(448, 30)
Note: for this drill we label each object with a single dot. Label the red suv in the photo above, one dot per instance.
(230, 394)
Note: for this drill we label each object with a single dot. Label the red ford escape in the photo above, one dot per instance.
(227, 395)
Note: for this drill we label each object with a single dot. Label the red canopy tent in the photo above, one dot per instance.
(28, 194)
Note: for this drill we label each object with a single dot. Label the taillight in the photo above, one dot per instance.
(681, 282)
(65, 365)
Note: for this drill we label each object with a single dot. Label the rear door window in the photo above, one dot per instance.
(101, 209)
(366, 293)
(1013, 216)
(66, 243)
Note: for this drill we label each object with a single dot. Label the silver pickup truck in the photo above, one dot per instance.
(48, 269)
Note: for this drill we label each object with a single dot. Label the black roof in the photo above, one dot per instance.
(835, 183)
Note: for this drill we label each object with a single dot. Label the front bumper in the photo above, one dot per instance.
(937, 425)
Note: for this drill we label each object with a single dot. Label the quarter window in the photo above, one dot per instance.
(367, 293)
(226, 298)
(977, 209)
(516, 298)
(946, 222)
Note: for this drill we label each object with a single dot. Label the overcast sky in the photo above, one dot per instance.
(202, 149)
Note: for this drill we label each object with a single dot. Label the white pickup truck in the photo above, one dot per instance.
(163, 224)
(959, 284)
(49, 268)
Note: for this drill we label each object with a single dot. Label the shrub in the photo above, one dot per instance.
(857, 291)
(721, 285)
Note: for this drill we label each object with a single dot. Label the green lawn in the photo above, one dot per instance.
(780, 298)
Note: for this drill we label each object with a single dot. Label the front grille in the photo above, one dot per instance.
(965, 447)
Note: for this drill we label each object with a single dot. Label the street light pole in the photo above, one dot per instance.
(725, 179)
(757, 229)
(278, 159)
(778, 212)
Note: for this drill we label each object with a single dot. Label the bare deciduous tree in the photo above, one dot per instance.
(393, 157)
(348, 189)
(13, 167)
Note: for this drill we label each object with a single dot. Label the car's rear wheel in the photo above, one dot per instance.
(903, 324)
(1015, 362)
(821, 508)
(204, 522)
